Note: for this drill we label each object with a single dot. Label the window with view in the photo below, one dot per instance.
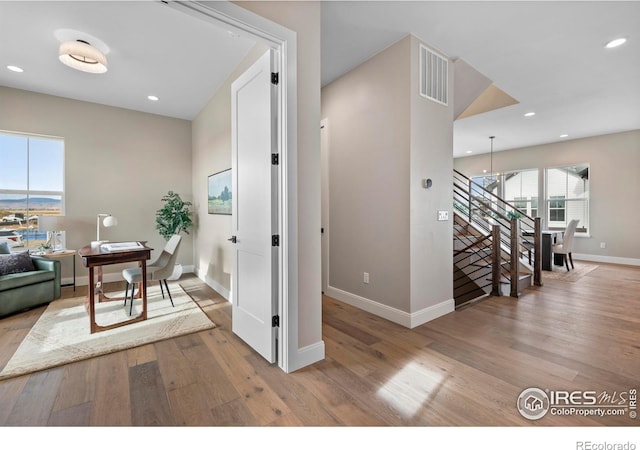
(567, 192)
(521, 190)
(31, 186)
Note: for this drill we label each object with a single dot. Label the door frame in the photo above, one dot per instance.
(246, 23)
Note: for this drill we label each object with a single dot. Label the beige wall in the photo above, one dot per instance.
(614, 161)
(117, 161)
(211, 136)
(304, 19)
(383, 140)
(431, 240)
(368, 114)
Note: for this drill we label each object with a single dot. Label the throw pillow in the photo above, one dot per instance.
(4, 248)
(16, 263)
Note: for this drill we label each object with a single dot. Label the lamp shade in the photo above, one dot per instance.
(51, 223)
(82, 56)
(110, 221)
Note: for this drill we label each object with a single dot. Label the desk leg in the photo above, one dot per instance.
(92, 304)
(144, 290)
(74, 272)
(546, 252)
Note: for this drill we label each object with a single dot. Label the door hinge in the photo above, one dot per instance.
(275, 321)
(275, 159)
(275, 78)
(275, 240)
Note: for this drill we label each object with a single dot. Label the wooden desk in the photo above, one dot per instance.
(98, 257)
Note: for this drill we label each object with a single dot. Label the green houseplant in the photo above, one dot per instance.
(174, 217)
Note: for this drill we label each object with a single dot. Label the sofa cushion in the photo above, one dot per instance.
(17, 280)
(16, 263)
(4, 248)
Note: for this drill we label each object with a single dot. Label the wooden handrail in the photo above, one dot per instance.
(473, 244)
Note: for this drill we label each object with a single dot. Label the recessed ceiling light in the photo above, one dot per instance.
(616, 43)
(15, 69)
(153, 98)
(232, 34)
(484, 171)
(564, 135)
(529, 114)
(469, 151)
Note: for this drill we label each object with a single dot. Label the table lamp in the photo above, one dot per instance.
(53, 225)
(108, 221)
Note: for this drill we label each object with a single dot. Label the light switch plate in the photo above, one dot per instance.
(443, 215)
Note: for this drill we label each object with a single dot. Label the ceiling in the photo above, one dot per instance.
(549, 56)
(151, 49)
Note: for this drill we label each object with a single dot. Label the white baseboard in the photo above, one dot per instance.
(213, 284)
(409, 320)
(306, 356)
(432, 312)
(607, 259)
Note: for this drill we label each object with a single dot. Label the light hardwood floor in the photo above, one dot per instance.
(464, 369)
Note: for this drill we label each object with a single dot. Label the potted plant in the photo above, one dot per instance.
(174, 218)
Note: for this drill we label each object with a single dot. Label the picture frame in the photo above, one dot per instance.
(219, 194)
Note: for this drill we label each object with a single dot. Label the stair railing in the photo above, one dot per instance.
(519, 234)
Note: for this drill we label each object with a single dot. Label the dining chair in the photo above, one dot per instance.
(159, 270)
(565, 247)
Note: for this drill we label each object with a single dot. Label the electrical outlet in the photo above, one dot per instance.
(603, 245)
(443, 215)
(366, 278)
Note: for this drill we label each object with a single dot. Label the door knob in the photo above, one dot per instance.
(233, 239)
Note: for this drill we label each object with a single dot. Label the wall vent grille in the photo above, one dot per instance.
(434, 76)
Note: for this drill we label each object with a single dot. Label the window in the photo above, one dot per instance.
(32, 184)
(520, 188)
(567, 192)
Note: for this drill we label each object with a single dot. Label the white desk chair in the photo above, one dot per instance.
(160, 270)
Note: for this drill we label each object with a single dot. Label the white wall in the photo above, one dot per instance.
(614, 162)
(431, 240)
(117, 161)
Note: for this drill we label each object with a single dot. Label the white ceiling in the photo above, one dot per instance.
(548, 55)
(152, 50)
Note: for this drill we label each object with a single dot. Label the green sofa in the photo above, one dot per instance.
(21, 291)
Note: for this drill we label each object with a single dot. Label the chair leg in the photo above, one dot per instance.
(571, 259)
(161, 288)
(126, 293)
(133, 288)
(168, 292)
(566, 261)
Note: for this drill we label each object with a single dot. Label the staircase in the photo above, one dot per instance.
(497, 247)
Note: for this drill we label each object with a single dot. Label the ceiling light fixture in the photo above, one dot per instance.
(564, 135)
(616, 43)
(469, 151)
(15, 69)
(82, 56)
(153, 98)
(529, 114)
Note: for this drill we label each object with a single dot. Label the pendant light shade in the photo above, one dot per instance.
(82, 56)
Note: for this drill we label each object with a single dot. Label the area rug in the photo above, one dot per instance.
(561, 273)
(61, 335)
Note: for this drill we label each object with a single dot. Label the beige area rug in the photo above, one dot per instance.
(560, 273)
(61, 335)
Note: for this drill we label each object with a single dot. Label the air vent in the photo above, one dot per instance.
(434, 76)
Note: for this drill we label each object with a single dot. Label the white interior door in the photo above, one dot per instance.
(254, 212)
(324, 161)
